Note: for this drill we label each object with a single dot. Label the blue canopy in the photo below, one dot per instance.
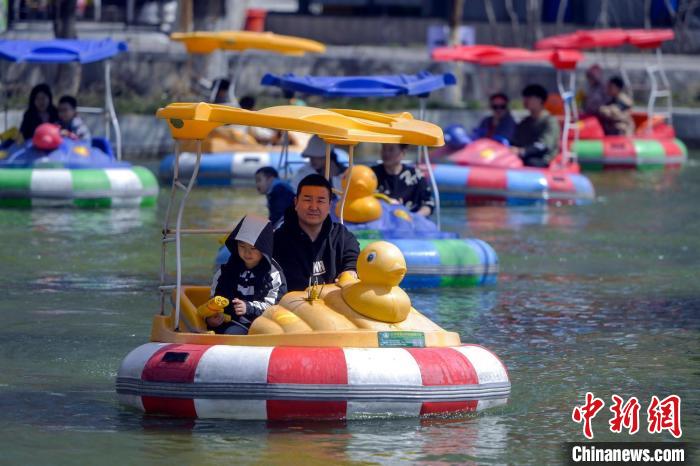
(420, 84)
(60, 50)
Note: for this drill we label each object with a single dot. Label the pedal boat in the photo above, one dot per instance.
(231, 153)
(654, 143)
(67, 173)
(351, 350)
(486, 171)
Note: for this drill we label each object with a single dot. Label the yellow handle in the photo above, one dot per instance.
(214, 306)
(384, 197)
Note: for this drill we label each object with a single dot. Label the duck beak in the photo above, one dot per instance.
(397, 270)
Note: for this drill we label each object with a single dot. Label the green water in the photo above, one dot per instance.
(602, 298)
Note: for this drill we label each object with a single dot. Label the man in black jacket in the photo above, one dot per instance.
(402, 182)
(309, 246)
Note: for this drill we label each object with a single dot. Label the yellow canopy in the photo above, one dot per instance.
(341, 127)
(207, 42)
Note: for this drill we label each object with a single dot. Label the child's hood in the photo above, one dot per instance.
(252, 229)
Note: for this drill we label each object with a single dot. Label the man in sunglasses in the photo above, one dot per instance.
(500, 125)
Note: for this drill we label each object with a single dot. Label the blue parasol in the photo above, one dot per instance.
(60, 50)
(420, 84)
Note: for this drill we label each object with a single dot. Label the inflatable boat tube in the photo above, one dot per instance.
(71, 173)
(129, 186)
(630, 152)
(311, 383)
(431, 263)
(220, 169)
(459, 185)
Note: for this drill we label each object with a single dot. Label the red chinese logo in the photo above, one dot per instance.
(661, 415)
(665, 415)
(587, 412)
(626, 415)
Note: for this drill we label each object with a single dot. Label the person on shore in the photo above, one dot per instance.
(70, 121)
(278, 192)
(616, 114)
(39, 110)
(500, 125)
(536, 139)
(251, 279)
(315, 151)
(402, 182)
(309, 246)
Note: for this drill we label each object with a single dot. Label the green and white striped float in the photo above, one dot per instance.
(84, 187)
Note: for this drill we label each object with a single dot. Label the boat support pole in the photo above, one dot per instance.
(178, 227)
(168, 233)
(657, 91)
(327, 171)
(164, 288)
(351, 154)
(567, 95)
(109, 103)
(283, 164)
(234, 80)
(429, 168)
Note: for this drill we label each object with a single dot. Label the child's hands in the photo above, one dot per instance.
(238, 306)
(215, 320)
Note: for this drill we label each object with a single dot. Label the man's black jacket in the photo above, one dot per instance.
(334, 251)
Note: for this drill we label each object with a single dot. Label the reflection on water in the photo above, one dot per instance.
(602, 297)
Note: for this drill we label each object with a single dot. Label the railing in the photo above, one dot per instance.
(660, 89)
(170, 235)
(568, 95)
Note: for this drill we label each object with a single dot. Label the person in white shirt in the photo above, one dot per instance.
(316, 153)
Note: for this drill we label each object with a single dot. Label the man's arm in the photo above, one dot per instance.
(550, 137)
(546, 144)
(481, 130)
(507, 129)
(278, 203)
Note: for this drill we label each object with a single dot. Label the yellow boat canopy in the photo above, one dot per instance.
(339, 126)
(208, 42)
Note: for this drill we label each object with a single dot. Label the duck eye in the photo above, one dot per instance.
(371, 256)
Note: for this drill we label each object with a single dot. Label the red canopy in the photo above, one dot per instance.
(491, 55)
(589, 39)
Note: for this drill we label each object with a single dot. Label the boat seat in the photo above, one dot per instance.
(191, 298)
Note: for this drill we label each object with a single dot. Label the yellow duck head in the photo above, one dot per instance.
(363, 182)
(380, 268)
(381, 263)
(360, 205)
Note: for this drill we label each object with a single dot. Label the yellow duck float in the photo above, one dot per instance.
(373, 301)
(363, 203)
